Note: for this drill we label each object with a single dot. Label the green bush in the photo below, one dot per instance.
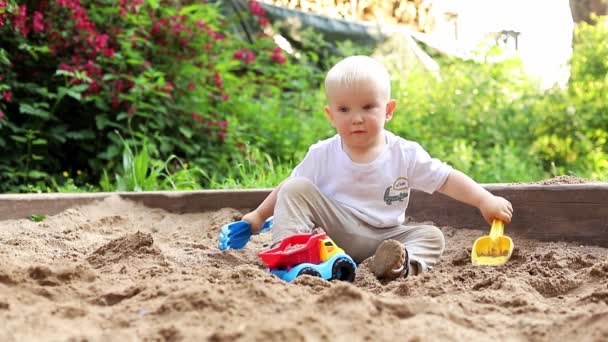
(75, 72)
(492, 122)
(475, 115)
(124, 94)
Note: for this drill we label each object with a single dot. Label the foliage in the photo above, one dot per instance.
(172, 71)
(255, 170)
(490, 121)
(141, 172)
(474, 116)
(135, 95)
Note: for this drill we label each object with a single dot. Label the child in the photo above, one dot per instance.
(356, 184)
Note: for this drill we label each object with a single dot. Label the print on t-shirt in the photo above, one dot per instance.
(400, 189)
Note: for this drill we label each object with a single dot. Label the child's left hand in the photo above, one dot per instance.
(496, 207)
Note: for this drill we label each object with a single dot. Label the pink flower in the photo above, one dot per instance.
(215, 35)
(191, 86)
(246, 55)
(221, 135)
(8, 96)
(37, 23)
(168, 87)
(2, 15)
(277, 56)
(256, 8)
(108, 52)
(156, 28)
(101, 41)
(20, 19)
(201, 23)
(225, 97)
(66, 67)
(118, 85)
(238, 54)
(115, 102)
(198, 118)
(94, 88)
(263, 21)
(219, 83)
(250, 57)
(1, 115)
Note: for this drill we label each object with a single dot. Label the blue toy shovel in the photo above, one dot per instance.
(235, 235)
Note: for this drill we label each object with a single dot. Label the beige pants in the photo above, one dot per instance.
(301, 206)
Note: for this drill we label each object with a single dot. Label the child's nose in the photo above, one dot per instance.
(357, 118)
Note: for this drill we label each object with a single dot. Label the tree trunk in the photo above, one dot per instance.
(582, 9)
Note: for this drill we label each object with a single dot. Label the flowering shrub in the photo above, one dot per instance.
(85, 83)
(76, 74)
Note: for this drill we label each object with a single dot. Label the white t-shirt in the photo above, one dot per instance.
(377, 192)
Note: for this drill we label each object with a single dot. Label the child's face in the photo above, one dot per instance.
(359, 114)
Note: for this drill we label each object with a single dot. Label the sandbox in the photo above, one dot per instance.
(146, 267)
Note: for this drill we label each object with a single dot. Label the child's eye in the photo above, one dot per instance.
(368, 107)
(343, 109)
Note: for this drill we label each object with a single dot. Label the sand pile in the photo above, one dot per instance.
(116, 270)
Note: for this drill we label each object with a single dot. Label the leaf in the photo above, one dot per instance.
(37, 218)
(187, 132)
(141, 165)
(127, 159)
(26, 108)
(189, 9)
(61, 72)
(19, 138)
(101, 121)
(110, 153)
(74, 95)
(80, 88)
(122, 116)
(36, 174)
(80, 135)
(39, 141)
(105, 183)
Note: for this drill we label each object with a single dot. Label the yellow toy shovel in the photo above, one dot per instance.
(492, 250)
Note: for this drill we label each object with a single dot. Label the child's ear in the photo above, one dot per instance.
(390, 108)
(329, 114)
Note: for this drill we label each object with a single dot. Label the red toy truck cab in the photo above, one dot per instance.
(300, 248)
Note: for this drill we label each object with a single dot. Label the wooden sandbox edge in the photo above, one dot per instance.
(565, 212)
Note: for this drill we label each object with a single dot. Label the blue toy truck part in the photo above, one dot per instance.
(339, 267)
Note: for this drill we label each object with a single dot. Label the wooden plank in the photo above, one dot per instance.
(569, 212)
(197, 201)
(17, 206)
(20, 206)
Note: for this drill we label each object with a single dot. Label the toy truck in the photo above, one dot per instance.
(312, 254)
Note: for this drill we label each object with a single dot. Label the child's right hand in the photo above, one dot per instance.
(255, 220)
(496, 207)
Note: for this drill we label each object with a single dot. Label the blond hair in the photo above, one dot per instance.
(356, 71)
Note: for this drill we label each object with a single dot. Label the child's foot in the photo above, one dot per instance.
(390, 260)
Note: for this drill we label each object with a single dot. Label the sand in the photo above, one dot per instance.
(116, 270)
